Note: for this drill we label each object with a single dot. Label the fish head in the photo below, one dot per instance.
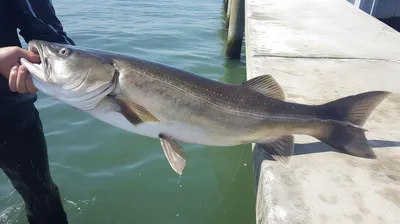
(78, 76)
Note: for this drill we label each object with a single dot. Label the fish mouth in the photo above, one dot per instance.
(33, 47)
(84, 102)
(40, 73)
(38, 70)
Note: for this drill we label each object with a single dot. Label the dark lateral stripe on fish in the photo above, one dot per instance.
(194, 109)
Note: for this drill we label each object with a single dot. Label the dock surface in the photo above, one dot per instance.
(318, 51)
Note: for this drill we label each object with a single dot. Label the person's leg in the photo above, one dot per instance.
(23, 158)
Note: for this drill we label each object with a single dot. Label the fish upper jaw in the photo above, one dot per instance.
(81, 101)
(37, 70)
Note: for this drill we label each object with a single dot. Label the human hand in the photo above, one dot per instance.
(18, 76)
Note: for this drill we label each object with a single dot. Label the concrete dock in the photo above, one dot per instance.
(321, 50)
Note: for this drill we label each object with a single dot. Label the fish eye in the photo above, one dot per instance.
(63, 51)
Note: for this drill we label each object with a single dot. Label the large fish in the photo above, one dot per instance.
(173, 105)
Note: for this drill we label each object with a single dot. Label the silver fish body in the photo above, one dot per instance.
(173, 105)
(197, 110)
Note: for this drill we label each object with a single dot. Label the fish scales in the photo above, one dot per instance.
(173, 105)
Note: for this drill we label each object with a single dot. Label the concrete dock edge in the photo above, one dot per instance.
(321, 50)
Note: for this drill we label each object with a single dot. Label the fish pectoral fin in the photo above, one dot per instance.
(135, 113)
(280, 149)
(266, 85)
(174, 153)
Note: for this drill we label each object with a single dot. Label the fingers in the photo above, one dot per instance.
(12, 78)
(29, 85)
(20, 80)
(28, 55)
(34, 58)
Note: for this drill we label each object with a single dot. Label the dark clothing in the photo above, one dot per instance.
(23, 150)
(23, 158)
(36, 19)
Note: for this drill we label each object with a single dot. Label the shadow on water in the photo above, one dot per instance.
(232, 166)
(232, 170)
(235, 72)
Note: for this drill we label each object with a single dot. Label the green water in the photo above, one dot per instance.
(108, 176)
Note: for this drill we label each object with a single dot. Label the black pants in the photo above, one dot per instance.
(23, 158)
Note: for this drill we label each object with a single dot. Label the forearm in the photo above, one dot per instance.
(37, 20)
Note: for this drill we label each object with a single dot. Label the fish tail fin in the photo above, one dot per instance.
(350, 114)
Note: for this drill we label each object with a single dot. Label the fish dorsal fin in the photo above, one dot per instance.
(174, 153)
(280, 149)
(135, 113)
(266, 85)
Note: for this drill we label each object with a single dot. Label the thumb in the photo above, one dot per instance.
(29, 55)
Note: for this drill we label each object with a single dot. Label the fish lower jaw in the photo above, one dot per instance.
(35, 69)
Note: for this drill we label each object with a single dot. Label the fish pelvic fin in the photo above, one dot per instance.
(351, 113)
(281, 149)
(174, 153)
(266, 84)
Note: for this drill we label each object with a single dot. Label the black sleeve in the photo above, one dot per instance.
(37, 20)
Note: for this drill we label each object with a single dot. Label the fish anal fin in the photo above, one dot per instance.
(174, 153)
(266, 84)
(135, 113)
(281, 149)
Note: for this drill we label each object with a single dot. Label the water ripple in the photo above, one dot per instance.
(128, 175)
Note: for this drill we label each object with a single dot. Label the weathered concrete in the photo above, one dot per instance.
(320, 50)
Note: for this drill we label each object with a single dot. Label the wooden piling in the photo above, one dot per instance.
(228, 13)
(236, 29)
(226, 3)
(228, 8)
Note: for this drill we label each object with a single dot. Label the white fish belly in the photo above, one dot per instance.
(180, 131)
